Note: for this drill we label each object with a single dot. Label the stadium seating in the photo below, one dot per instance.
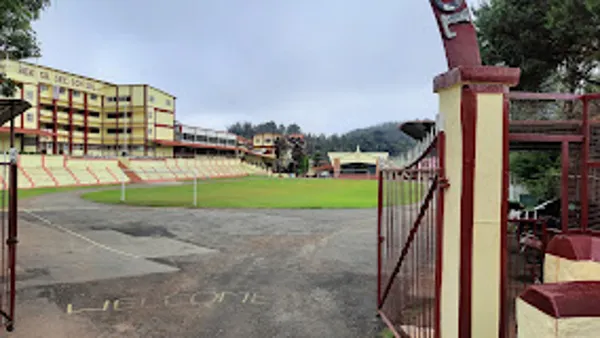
(55, 167)
(152, 169)
(33, 173)
(57, 170)
(100, 170)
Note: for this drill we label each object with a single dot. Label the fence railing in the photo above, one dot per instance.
(409, 227)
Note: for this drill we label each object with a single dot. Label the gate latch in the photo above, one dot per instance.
(444, 183)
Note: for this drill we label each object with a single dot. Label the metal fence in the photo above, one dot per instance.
(409, 228)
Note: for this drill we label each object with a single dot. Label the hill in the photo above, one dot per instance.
(382, 137)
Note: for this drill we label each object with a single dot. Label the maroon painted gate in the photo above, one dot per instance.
(409, 234)
(9, 109)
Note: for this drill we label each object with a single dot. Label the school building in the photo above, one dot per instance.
(77, 115)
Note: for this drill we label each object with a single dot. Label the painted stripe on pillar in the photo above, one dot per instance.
(22, 98)
(85, 123)
(39, 125)
(487, 215)
(468, 112)
(145, 120)
(117, 116)
(70, 121)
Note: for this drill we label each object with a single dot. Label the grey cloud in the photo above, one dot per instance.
(309, 62)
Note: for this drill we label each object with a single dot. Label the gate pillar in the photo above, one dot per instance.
(474, 117)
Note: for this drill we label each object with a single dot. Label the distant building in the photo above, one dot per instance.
(356, 163)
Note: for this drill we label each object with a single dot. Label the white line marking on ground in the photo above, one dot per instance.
(58, 209)
(80, 236)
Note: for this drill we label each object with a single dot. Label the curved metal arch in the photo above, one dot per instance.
(458, 33)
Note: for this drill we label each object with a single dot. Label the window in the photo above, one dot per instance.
(29, 95)
(76, 93)
(43, 88)
(61, 90)
(151, 98)
(267, 140)
(93, 97)
(168, 102)
(118, 131)
(150, 115)
(29, 117)
(150, 132)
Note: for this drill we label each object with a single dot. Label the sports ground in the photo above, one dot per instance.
(257, 258)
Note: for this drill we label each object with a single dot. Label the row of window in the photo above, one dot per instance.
(92, 97)
(118, 99)
(128, 99)
(61, 90)
(204, 138)
(62, 109)
(91, 130)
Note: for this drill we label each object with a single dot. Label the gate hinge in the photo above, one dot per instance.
(444, 183)
(381, 239)
(13, 155)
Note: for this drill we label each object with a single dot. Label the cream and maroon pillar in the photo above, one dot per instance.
(473, 111)
(336, 167)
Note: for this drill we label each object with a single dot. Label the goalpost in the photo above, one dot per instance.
(163, 177)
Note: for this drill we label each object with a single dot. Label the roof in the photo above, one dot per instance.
(63, 71)
(357, 156)
(91, 78)
(11, 108)
(193, 145)
(417, 129)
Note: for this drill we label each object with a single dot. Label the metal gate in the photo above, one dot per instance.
(9, 109)
(409, 234)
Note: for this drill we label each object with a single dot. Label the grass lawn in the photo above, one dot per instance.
(252, 193)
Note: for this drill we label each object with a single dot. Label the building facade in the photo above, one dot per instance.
(191, 140)
(77, 115)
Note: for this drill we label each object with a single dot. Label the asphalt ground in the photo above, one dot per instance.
(90, 270)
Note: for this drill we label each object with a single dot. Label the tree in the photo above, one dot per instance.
(293, 129)
(538, 171)
(556, 45)
(281, 148)
(17, 37)
(550, 40)
(298, 156)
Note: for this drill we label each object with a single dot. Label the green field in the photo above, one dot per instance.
(252, 193)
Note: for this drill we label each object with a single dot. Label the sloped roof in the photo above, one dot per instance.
(357, 156)
(11, 108)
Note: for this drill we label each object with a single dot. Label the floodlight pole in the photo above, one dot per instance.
(11, 241)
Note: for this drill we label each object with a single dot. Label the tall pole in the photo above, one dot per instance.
(11, 241)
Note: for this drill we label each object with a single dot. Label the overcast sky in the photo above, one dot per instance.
(328, 65)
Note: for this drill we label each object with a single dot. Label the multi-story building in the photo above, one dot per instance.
(191, 140)
(77, 115)
(265, 143)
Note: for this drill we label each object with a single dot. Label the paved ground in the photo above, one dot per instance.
(90, 270)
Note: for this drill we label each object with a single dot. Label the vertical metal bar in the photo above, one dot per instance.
(584, 197)
(439, 233)
(379, 236)
(564, 184)
(12, 222)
